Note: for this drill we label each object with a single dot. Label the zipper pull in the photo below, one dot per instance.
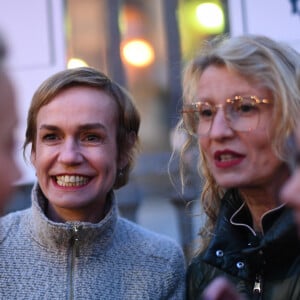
(257, 289)
(76, 240)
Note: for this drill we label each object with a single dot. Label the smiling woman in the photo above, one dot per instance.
(83, 132)
(241, 99)
(85, 149)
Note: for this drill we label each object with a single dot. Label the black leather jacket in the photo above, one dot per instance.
(261, 267)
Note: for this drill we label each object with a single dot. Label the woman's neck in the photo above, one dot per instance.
(62, 215)
(261, 199)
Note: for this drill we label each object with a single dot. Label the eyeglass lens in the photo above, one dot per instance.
(241, 114)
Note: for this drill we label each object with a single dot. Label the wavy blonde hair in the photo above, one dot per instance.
(259, 59)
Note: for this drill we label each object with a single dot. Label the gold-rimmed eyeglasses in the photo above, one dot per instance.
(242, 113)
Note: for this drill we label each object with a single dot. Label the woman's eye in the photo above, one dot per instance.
(206, 113)
(244, 108)
(50, 137)
(92, 138)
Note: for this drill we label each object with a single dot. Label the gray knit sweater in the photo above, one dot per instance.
(114, 259)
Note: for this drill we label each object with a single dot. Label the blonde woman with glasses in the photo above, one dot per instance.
(241, 100)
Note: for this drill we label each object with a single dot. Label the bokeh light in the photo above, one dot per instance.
(76, 63)
(138, 53)
(210, 16)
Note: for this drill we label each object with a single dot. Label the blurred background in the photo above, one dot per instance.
(143, 45)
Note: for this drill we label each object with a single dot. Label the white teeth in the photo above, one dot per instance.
(225, 157)
(67, 180)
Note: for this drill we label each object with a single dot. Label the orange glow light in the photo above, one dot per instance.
(138, 53)
(76, 63)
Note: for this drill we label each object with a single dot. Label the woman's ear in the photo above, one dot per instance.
(124, 153)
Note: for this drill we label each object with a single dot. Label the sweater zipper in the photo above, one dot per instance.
(76, 240)
(73, 255)
(257, 288)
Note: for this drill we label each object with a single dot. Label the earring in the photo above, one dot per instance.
(120, 173)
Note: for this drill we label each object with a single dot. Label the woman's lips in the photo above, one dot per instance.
(227, 158)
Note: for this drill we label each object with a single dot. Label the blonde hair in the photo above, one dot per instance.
(261, 60)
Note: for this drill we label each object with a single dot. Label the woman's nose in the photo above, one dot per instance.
(70, 152)
(220, 127)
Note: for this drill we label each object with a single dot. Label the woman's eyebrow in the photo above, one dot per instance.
(87, 126)
(48, 127)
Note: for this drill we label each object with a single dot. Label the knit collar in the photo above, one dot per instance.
(58, 236)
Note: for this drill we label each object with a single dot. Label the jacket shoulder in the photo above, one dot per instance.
(199, 275)
(10, 223)
(159, 256)
(149, 242)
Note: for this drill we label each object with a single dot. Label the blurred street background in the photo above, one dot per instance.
(143, 45)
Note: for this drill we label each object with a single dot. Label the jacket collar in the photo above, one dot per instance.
(60, 235)
(238, 250)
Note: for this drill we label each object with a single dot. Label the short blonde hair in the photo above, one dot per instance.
(128, 116)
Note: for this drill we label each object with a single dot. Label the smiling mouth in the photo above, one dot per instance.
(71, 180)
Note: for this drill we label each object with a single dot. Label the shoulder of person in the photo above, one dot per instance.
(11, 223)
(199, 274)
(149, 242)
